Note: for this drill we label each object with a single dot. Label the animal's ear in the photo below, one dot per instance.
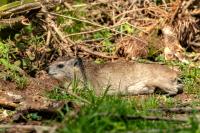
(78, 62)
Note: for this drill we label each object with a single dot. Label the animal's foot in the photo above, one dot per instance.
(177, 90)
(180, 88)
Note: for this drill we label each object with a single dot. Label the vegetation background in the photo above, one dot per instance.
(35, 33)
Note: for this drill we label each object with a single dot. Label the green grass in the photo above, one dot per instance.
(10, 70)
(108, 113)
(105, 113)
(190, 76)
(191, 79)
(99, 118)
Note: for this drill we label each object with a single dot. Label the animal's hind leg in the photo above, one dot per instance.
(139, 89)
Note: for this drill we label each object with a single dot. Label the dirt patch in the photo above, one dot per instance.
(36, 86)
(187, 99)
(33, 96)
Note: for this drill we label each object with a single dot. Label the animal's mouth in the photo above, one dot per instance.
(52, 74)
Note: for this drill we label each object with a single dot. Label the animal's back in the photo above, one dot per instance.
(120, 75)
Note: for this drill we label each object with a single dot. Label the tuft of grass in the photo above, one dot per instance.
(57, 93)
(191, 79)
(190, 76)
(108, 113)
(11, 71)
(34, 116)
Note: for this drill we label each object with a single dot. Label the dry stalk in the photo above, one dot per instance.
(150, 118)
(177, 110)
(100, 54)
(95, 24)
(37, 128)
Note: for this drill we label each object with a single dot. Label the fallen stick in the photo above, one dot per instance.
(175, 13)
(155, 118)
(181, 110)
(49, 111)
(21, 9)
(8, 104)
(37, 128)
(83, 48)
(139, 117)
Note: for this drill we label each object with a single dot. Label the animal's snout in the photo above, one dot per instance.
(47, 69)
(179, 81)
(180, 88)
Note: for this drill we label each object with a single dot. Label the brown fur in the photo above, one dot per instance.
(123, 77)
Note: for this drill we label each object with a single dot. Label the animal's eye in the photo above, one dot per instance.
(76, 63)
(60, 65)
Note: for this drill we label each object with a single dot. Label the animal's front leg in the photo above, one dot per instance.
(172, 88)
(177, 89)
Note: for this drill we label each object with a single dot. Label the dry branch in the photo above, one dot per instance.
(47, 109)
(196, 12)
(95, 24)
(175, 13)
(155, 118)
(65, 44)
(11, 21)
(177, 110)
(151, 118)
(21, 9)
(30, 128)
(7, 104)
(100, 54)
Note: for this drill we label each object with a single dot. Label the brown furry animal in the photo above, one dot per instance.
(120, 77)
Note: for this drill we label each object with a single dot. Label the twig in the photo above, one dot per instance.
(68, 6)
(187, 5)
(11, 21)
(155, 118)
(88, 32)
(95, 24)
(21, 9)
(48, 37)
(196, 58)
(194, 44)
(71, 7)
(8, 105)
(165, 4)
(78, 97)
(195, 12)
(59, 33)
(67, 43)
(175, 13)
(129, 11)
(180, 110)
(90, 40)
(100, 54)
(154, 130)
(38, 129)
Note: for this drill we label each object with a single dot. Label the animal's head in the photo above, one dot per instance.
(64, 69)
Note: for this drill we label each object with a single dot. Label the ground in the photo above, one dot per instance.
(43, 103)
(33, 34)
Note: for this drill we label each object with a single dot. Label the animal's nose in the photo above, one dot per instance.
(47, 69)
